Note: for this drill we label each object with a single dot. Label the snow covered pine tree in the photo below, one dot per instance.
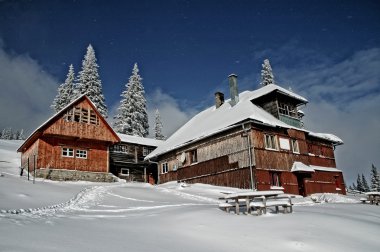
(89, 82)
(158, 127)
(132, 117)
(65, 91)
(266, 74)
(375, 183)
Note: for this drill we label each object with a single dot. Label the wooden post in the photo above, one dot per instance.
(28, 167)
(34, 171)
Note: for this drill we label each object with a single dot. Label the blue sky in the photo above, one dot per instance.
(328, 51)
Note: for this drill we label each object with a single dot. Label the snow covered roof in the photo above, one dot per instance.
(214, 120)
(301, 167)
(139, 140)
(326, 136)
(34, 134)
(273, 87)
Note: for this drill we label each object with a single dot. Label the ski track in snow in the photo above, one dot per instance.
(88, 199)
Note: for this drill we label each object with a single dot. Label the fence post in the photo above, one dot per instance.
(28, 168)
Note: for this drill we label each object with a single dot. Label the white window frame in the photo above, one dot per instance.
(165, 168)
(295, 146)
(81, 154)
(124, 172)
(270, 142)
(67, 152)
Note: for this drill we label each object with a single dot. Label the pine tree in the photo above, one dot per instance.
(374, 179)
(132, 117)
(359, 185)
(20, 135)
(158, 127)
(266, 74)
(65, 91)
(354, 187)
(365, 184)
(89, 82)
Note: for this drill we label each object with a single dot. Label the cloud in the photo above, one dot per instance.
(26, 91)
(344, 99)
(172, 115)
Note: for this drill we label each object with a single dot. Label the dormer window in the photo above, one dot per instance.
(286, 109)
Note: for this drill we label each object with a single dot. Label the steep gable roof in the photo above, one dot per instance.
(214, 120)
(38, 132)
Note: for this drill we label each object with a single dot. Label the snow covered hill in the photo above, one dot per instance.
(85, 216)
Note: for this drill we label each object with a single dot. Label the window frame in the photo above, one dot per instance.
(194, 156)
(273, 141)
(124, 174)
(275, 177)
(67, 152)
(79, 153)
(293, 143)
(164, 168)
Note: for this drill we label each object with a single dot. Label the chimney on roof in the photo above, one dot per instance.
(219, 99)
(232, 79)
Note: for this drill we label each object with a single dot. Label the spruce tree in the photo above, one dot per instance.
(65, 91)
(359, 185)
(365, 184)
(158, 127)
(266, 74)
(132, 116)
(374, 179)
(89, 82)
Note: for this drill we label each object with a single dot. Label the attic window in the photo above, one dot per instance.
(81, 115)
(286, 109)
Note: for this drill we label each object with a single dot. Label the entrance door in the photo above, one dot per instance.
(301, 177)
(151, 173)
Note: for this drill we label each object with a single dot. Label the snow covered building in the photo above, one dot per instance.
(255, 140)
(72, 144)
(127, 159)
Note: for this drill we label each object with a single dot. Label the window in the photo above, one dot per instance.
(81, 154)
(67, 152)
(146, 151)
(270, 142)
(275, 179)
(295, 147)
(193, 156)
(81, 115)
(124, 171)
(165, 168)
(286, 109)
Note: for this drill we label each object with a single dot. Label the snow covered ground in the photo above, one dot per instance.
(83, 216)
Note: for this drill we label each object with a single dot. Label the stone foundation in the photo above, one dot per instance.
(72, 175)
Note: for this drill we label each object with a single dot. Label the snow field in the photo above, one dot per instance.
(84, 216)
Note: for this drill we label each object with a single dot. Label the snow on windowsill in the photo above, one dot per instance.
(277, 188)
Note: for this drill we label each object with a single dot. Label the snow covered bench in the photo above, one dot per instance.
(283, 201)
(226, 206)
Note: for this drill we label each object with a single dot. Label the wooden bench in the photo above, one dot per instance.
(226, 206)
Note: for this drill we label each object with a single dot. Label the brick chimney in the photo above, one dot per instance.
(219, 99)
(232, 79)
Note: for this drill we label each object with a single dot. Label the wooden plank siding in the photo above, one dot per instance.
(50, 155)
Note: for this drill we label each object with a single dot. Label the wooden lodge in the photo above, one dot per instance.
(254, 140)
(73, 144)
(77, 143)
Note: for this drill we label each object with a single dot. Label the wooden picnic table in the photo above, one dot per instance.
(373, 197)
(249, 196)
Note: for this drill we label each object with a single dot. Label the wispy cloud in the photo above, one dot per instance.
(344, 95)
(172, 115)
(26, 91)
